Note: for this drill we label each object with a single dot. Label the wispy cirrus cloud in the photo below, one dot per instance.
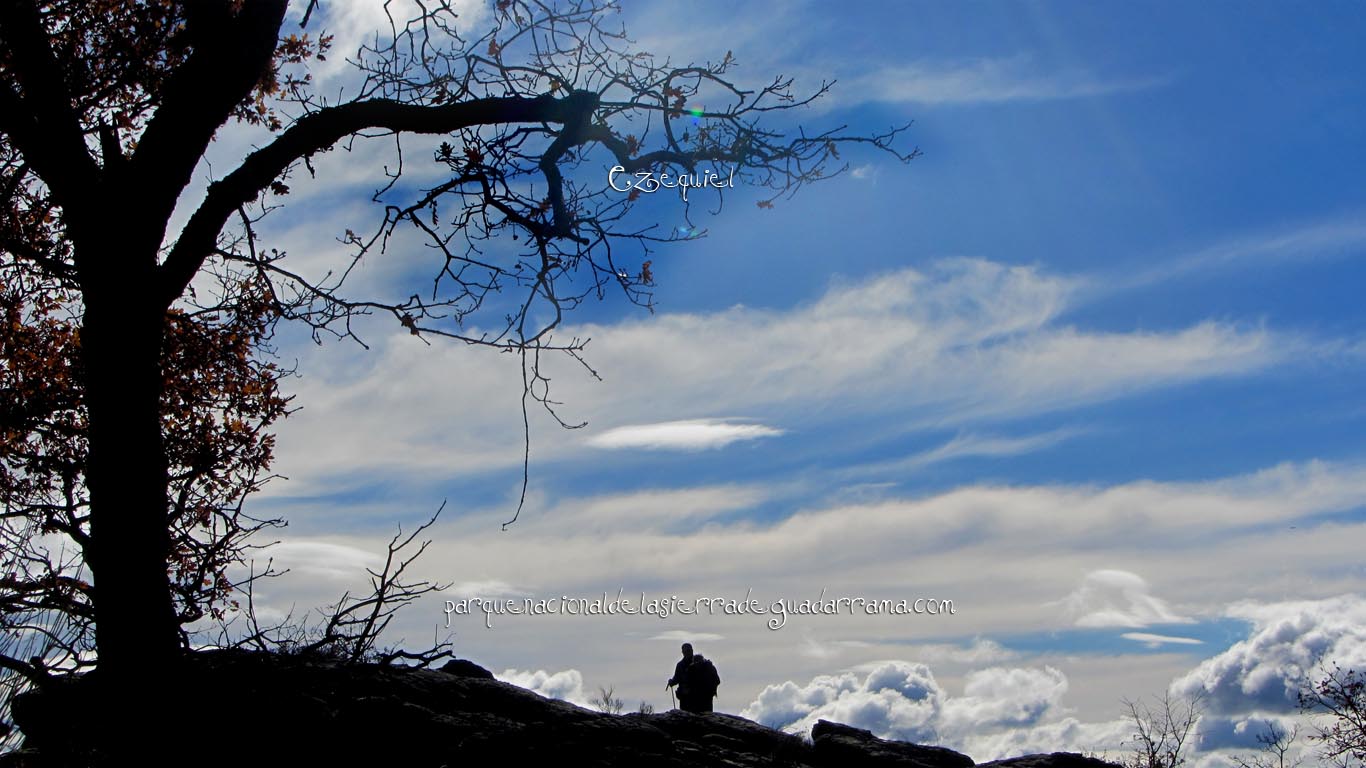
(960, 342)
(683, 636)
(981, 80)
(1308, 242)
(970, 445)
(486, 588)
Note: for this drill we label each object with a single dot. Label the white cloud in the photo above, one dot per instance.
(356, 22)
(1289, 639)
(993, 445)
(1068, 734)
(1304, 243)
(1004, 697)
(902, 700)
(1004, 712)
(897, 699)
(690, 435)
(322, 558)
(1002, 553)
(666, 511)
(941, 81)
(1156, 641)
(684, 636)
(1243, 733)
(979, 651)
(987, 80)
(566, 685)
(1114, 598)
(825, 650)
(963, 341)
(972, 445)
(486, 588)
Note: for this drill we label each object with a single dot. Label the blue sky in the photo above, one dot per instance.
(1090, 367)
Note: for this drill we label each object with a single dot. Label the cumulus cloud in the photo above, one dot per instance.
(1289, 640)
(1009, 711)
(1069, 734)
(897, 699)
(1113, 598)
(1000, 696)
(566, 685)
(688, 435)
(902, 700)
(1242, 733)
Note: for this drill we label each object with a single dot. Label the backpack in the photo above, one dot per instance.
(703, 677)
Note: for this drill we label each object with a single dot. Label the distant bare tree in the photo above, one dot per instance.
(1162, 732)
(605, 701)
(1275, 744)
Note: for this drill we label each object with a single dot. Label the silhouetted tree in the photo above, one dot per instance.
(108, 106)
(218, 400)
(1338, 696)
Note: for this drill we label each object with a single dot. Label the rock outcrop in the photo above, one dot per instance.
(252, 709)
(838, 744)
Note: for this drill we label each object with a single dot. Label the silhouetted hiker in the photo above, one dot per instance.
(697, 679)
(680, 679)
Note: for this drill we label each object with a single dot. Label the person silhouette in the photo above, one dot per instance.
(680, 679)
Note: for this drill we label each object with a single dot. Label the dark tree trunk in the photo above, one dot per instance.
(136, 628)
